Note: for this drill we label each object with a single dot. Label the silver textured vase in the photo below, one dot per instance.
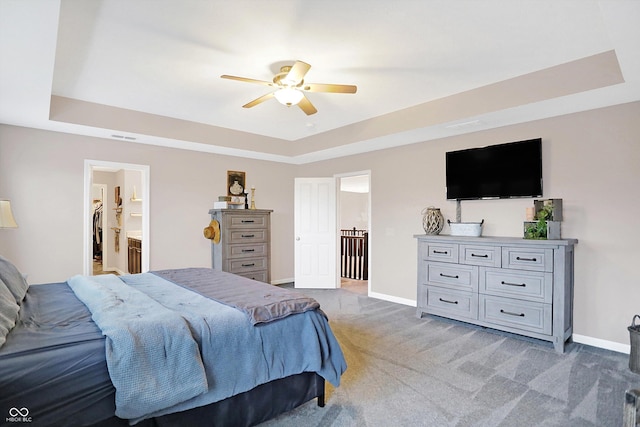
(432, 220)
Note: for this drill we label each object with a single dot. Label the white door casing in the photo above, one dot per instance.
(315, 230)
(89, 167)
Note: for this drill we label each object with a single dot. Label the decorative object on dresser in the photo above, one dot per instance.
(545, 224)
(473, 229)
(460, 228)
(245, 243)
(235, 183)
(511, 284)
(253, 197)
(432, 220)
(236, 188)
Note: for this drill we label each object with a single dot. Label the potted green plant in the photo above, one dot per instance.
(538, 229)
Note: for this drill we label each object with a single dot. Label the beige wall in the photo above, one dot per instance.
(354, 210)
(591, 161)
(43, 175)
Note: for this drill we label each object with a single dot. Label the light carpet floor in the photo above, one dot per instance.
(405, 371)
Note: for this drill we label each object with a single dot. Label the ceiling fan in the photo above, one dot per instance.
(291, 86)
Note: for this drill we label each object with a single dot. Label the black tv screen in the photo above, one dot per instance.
(497, 171)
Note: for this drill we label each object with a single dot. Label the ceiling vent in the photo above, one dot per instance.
(463, 125)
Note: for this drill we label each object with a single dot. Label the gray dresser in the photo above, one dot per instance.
(245, 243)
(511, 284)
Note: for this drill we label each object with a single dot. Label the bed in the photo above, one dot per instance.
(244, 351)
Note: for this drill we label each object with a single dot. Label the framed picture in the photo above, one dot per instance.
(235, 183)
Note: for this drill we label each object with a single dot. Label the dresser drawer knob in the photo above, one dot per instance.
(447, 301)
(248, 235)
(480, 256)
(511, 313)
(526, 259)
(248, 221)
(244, 251)
(448, 276)
(249, 265)
(440, 252)
(522, 285)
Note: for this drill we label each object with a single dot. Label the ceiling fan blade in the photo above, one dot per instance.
(306, 106)
(258, 100)
(244, 79)
(297, 73)
(320, 87)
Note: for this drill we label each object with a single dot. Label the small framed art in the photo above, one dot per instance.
(235, 183)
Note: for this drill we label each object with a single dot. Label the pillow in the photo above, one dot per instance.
(13, 280)
(8, 312)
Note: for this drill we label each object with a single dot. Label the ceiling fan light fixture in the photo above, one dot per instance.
(289, 87)
(288, 96)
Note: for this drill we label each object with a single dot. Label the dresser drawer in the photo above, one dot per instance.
(247, 251)
(490, 256)
(443, 252)
(260, 276)
(448, 302)
(238, 266)
(248, 221)
(527, 259)
(247, 236)
(460, 277)
(527, 285)
(525, 315)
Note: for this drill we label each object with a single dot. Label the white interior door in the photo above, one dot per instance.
(315, 226)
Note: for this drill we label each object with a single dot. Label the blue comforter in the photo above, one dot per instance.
(146, 346)
(236, 355)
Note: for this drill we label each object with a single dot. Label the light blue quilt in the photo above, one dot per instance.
(152, 358)
(236, 355)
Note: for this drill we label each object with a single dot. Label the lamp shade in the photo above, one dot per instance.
(288, 96)
(6, 216)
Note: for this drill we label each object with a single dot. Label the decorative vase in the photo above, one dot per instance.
(432, 220)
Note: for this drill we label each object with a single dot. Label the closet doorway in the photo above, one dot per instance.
(124, 190)
(100, 249)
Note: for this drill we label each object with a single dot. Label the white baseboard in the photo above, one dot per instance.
(390, 298)
(281, 281)
(582, 339)
(607, 345)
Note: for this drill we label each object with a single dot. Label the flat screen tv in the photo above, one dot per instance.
(496, 171)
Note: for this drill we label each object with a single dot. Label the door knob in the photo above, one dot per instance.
(298, 238)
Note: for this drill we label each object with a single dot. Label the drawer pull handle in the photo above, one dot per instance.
(248, 221)
(526, 259)
(447, 301)
(440, 252)
(249, 265)
(480, 256)
(248, 235)
(514, 284)
(511, 313)
(244, 251)
(450, 277)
